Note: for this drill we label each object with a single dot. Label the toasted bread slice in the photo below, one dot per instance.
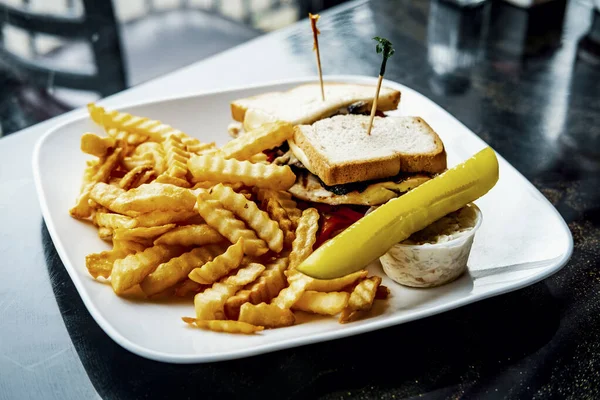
(303, 104)
(339, 151)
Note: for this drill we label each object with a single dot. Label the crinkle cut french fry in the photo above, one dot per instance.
(105, 233)
(290, 295)
(284, 199)
(132, 178)
(195, 146)
(142, 232)
(270, 283)
(91, 168)
(265, 137)
(199, 186)
(224, 326)
(188, 287)
(146, 178)
(278, 213)
(332, 285)
(194, 220)
(210, 303)
(306, 236)
(236, 186)
(259, 158)
(105, 167)
(128, 246)
(220, 266)
(246, 193)
(176, 269)
(101, 264)
(216, 168)
(191, 235)
(266, 229)
(281, 208)
(125, 138)
(203, 185)
(329, 303)
(267, 315)
(131, 270)
(97, 146)
(164, 217)
(177, 157)
(171, 180)
(244, 275)
(113, 181)
(114, 221)
(228, 225)
(267, 286)
(133, 162)
(152, 197)
(235, 302)
(105, 195)
(151, 153)
(364, 293)
(156, 130)
(361, 299)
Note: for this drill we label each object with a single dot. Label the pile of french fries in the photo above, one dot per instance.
(187, 218)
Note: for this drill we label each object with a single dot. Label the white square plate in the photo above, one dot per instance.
(522, 240)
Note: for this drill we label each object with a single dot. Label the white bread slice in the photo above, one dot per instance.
(338, 149)
(303, 104)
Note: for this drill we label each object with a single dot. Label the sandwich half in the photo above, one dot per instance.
(336, 162)
(303, 104)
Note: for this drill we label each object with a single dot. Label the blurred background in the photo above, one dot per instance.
(56, 55)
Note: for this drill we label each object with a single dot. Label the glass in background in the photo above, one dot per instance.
(582, 133)
(465, 3)
(524, 32)
(589, 46)
(582, 138)
(455, 37)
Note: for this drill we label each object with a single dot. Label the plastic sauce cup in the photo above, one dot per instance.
(431, 264)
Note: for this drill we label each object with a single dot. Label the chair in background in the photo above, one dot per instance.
(27, 82)
(107, 46)
(97, 26)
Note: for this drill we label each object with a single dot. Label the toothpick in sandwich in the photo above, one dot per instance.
(385, 48)
(313, 24)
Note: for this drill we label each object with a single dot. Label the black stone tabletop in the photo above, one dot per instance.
(527, 81)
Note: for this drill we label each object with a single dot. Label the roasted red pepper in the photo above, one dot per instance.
(329, 226)
(271, 154)
(327, 209)
(349, 214)
(339, 218)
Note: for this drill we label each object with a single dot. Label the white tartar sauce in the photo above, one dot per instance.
(435, 255)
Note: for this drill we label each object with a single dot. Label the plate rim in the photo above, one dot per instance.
(290, 343)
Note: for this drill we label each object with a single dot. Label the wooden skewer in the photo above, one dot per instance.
(385, 48)
(374, 107)
(313, 24)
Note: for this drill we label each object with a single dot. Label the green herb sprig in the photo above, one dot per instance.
(386, 48)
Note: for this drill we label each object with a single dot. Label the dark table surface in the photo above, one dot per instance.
(513, 77)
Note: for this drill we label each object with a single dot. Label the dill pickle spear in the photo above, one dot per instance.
(373, 235)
